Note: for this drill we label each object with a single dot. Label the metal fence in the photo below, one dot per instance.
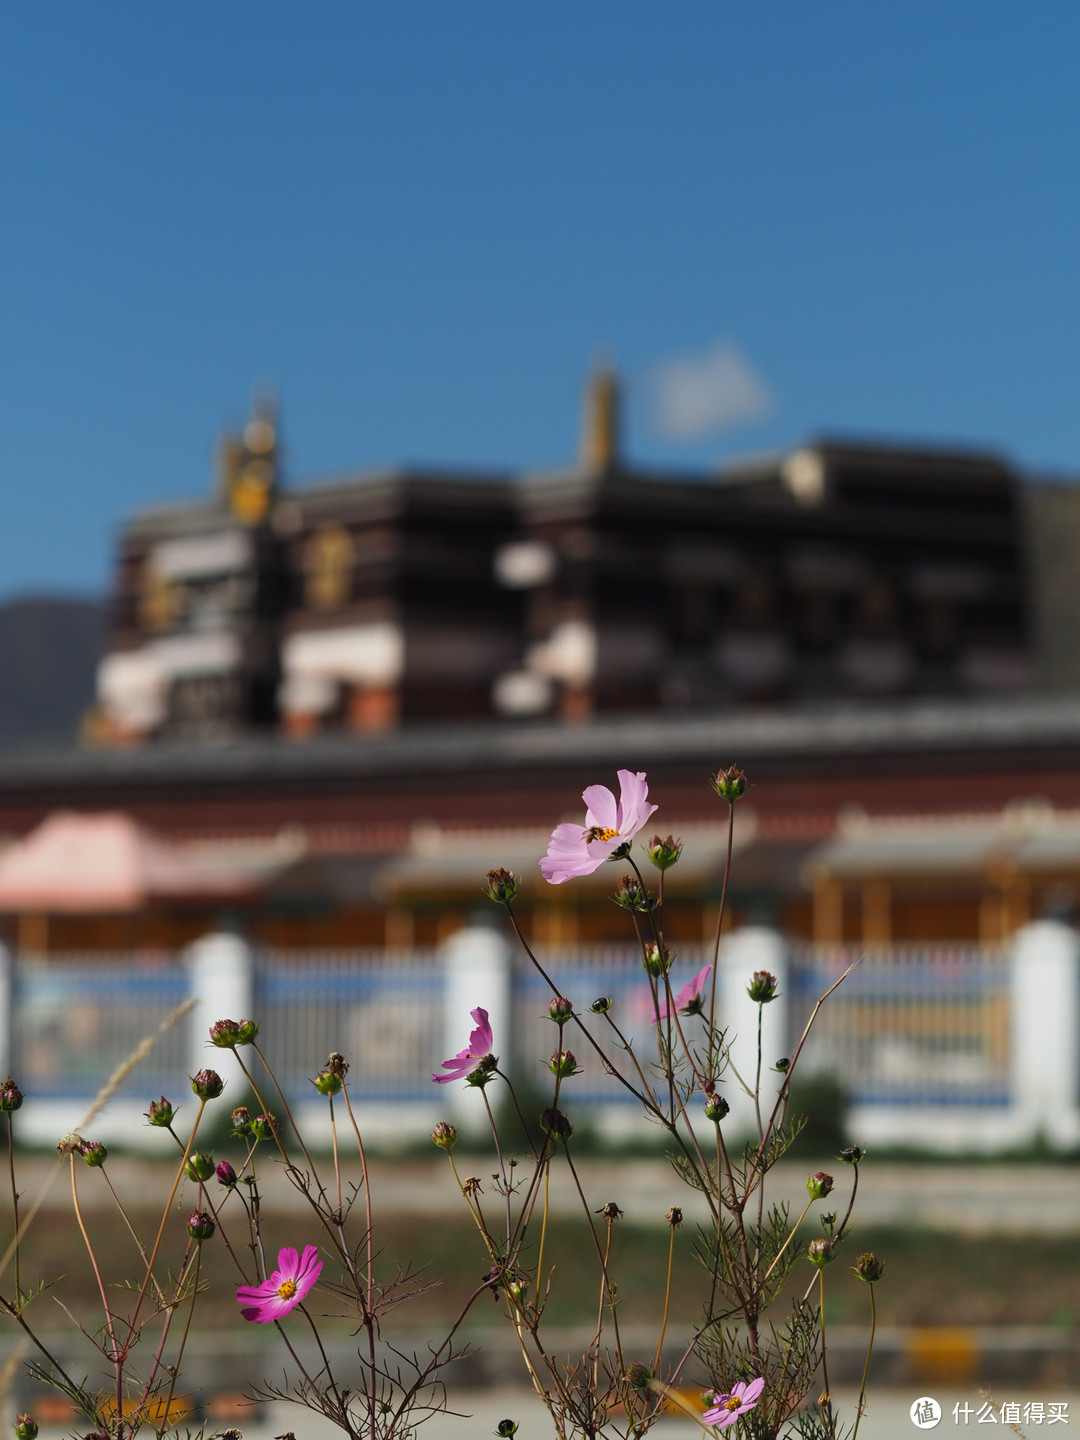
(917, 1025)
(75, 1018)
(910, 1025)
(383, 1009)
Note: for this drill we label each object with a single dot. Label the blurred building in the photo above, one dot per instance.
(387, 599)
(367, 691)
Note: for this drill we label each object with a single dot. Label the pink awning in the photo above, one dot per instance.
(108, 862)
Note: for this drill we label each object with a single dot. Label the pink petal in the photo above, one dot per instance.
(564, 863)
(455, 1068)
(601, 808)
(287, 1260)
(753, 1390)
(308, 1259)
(567, 839)
(634, 806)
(719, 1418)
(256, 1293)
(697, 984)
(305, 1281)
(481, 1040)
(566, 851)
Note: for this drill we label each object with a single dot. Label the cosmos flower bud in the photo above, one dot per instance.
(327, 1083)
(674, 1216)
(601, 1005)
(819, 1185)
(445, 1135)
(851, 1154)
(632, 895)
(226, 1175)
(762, 987)
(207, 1084)
(264, 1126)
(502, 886)
(868, 1267)
(560, 1010)
(820, 1251)
(563, 1064)
(554, 1123)
(94, 1153)
(228, 1034)
(241, 1121)
(25, 1428)
(517, 1289)
(638, 1376)
(11, 1098)
(783, 1065)
(506, 1428)
(664, 852)
(161, 1112)
(200, 1166)
(657, 959)
(716, 1107)
(729, 784)
(200, 1225)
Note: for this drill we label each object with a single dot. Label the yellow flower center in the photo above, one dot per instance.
(731, 1403)
(287, 1289)
(600, 832)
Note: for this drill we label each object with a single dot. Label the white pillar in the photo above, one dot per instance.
(222, 982)
(755, 947)
(479, 972)
(1045, 1014)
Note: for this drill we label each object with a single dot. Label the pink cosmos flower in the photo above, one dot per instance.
(688, 999)
(284, 1289)
(728, 1407)
(480, 1045)
(609, 823)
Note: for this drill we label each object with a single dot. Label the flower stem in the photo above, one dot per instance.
(114, 1355)
(14, 1202)
(826, 1397)
(543, 1227)
(719, 931)
(866, 1364)
(667, 1300)
(164, 1217)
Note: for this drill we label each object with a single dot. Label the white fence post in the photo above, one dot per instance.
(755, 947)
(479, 972)
(1045, 1018)
(222, 981)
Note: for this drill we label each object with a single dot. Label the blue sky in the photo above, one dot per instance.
(423, 221)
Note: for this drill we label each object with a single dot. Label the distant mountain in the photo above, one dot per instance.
(49, 647)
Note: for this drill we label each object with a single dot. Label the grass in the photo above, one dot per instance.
(931, 1278)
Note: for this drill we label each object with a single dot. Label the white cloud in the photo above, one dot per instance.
(699, 395)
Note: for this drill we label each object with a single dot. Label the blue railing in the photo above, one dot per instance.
(916, 1025)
